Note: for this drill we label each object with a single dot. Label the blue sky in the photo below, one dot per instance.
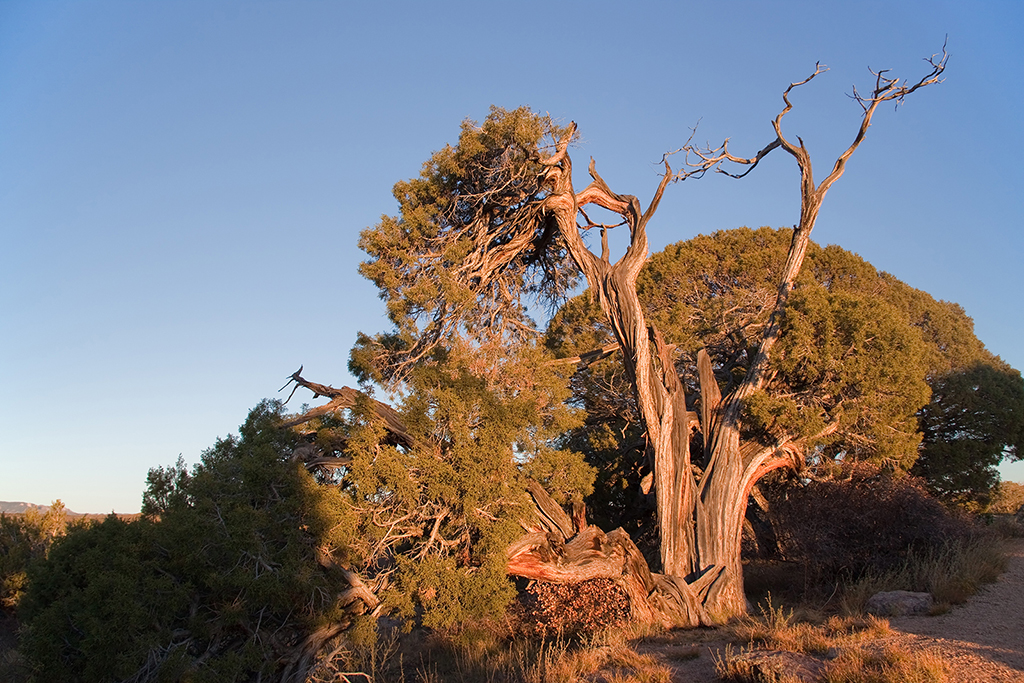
(182, 184)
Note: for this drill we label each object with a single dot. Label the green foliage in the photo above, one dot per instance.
(444, 510)
(98, 604)
(468, 243)
(1007, 498)
(25, 539)
(854, 358)
(219, 581)
(975, 419)
(846, 353)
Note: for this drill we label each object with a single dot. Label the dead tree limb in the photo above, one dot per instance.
(342, 399)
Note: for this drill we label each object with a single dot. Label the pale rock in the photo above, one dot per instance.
(899, 603)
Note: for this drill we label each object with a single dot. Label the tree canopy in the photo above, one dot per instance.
(469, 245)
(974, 420)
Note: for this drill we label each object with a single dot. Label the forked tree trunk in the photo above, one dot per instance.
(699, 522)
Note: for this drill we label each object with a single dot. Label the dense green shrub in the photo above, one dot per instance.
(223, 578)
(99, 603)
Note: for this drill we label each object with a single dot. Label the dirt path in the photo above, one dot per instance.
(981, 641)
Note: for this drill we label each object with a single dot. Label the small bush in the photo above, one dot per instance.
(867, 523)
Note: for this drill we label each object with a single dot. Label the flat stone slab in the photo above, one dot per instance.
(775, 665)
(899, 604)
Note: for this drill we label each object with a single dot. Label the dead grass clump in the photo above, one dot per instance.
(849, 663)
(890, 665)
(486, 655)
(739, 667)
(776, 629)
(778, 644)
(608, 664)
(851, 629)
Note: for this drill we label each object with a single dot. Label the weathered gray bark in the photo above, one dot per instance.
(568, 550)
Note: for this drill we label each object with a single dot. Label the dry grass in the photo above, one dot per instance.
(484, 654)
(778, 629)
(731, 669)
(951, 573)
(850, 662)
(840, 645)
(889, 665)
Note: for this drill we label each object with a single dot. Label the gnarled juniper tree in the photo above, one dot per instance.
(496, 221)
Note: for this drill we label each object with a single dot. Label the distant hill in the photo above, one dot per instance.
(18, 508)
(21, 508)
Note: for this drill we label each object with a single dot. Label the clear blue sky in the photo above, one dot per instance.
(182, 183)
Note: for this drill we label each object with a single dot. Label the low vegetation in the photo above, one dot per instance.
(842, 650)
(233, 563)
(888, 665)
(862, 521)
(951, 572)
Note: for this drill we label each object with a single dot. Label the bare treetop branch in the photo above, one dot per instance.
(700, 160)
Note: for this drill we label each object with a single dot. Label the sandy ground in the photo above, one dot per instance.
(981, 641)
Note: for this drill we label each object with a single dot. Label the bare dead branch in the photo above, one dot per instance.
(585, 359)
(346, 398)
